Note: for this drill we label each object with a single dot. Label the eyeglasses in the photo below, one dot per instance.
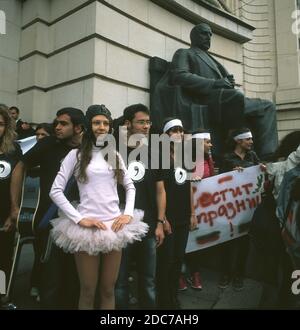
(143, 122)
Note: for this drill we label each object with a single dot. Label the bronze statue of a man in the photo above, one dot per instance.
(199, 79)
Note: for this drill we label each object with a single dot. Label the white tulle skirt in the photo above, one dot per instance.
(72, 237)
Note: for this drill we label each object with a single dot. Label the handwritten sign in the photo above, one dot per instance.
(224, 206)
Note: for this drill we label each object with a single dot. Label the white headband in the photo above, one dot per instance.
(172, 123)
(201, 136)
(242, 136)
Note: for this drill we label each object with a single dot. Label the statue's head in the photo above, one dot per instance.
(201, 36)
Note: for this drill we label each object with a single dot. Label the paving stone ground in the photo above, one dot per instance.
(210, 297)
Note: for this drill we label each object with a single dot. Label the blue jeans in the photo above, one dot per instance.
(143, 253)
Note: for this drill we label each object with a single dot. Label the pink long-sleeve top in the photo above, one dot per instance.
(98, 196)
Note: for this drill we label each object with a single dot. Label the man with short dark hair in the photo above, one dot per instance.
(48, 153)
(23, 129)
(151, 200)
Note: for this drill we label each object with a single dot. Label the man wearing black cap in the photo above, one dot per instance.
(48, 154)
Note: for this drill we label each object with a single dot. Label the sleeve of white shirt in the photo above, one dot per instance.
(59, 185)
(293, 159)
(129, 188)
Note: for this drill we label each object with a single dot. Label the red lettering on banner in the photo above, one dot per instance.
(202, 217)
(222, 211)
(212, 215)
(214, 199)
(231, 206)
(207, 217)
(253, 202)
(224, 205)
(205, 199)
(235, 191)
(223, 192)
(228, 210)
(240, 204)
(225, 179)
(246, 187)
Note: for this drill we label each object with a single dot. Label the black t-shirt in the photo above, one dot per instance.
(232, 160)
(178, 196)
(7, 165)
(145, 197)
(48, 153)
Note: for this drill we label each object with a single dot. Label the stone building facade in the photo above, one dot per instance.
(78, 52)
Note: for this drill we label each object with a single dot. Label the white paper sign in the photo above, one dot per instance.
(27, 144)
(224, 206)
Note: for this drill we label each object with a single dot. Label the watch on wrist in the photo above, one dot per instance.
(161, 221)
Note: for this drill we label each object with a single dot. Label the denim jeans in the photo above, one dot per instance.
(143, 253)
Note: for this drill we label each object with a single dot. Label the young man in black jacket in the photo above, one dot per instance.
(59, 285)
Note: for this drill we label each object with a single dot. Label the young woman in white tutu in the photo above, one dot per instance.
(96, 226)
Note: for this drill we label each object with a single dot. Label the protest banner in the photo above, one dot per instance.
(224, 206)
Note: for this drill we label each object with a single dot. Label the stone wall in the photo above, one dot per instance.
(9, 51)
(271, 59)
(79, 52)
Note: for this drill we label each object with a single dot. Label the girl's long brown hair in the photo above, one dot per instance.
(84, 156)
(9, 136)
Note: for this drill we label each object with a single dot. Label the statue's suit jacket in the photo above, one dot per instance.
(195, 71)
(187, 87)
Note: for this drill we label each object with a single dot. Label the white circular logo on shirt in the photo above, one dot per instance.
(180, 175)
(5, 169)
(136, 171)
